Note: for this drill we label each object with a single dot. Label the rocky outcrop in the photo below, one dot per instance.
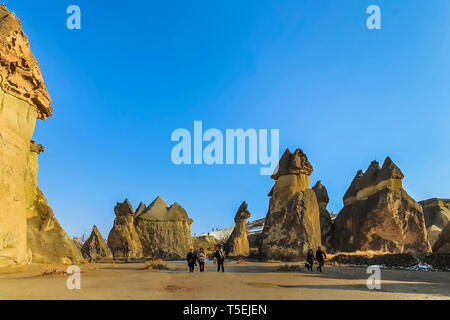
(140, 209)
(164, 231)
(20, 72)
(95, 247)
(442, 244)
(123, 239)
(47, 240)
(292, 223)
(379, 215)
(437, 216)
(29, 230)
(237, 244)
(326, 223)
(77, 243)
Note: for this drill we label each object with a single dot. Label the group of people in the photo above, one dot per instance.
(319, 257)
(198, 256)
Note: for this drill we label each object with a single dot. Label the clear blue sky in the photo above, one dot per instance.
(138, 70)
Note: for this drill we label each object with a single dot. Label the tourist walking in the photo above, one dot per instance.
(201, 258)
(310, 260)
(320, 257)
(191, 260)
(219, 255)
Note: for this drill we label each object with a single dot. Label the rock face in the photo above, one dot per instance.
(292, 223)
(77, 243)
(442, 245)
(123, 236)
(95, 247)
(237, 244)
(29, 230)
(326, 223)
(164, 231)
(437, 216)
(379, 215)
(20, 72)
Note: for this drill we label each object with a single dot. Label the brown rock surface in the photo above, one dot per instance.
(123, 237)
(237, 244)
(292, 224)
(379, 215)
(77, 243)
(442, 245)
(208, 243)
(29, 230)
(437, 216)
(164, 231)
(95, 247)
(20, 72)
(326, 223)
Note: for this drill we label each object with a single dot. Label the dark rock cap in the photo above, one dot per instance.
(293, 163)
(321, 192)
(124, 208)
(242, 213)
(373, 175)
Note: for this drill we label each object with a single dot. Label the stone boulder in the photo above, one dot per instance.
(95, 247)
(123, 238)
(379, 215)
(292, 224)
(29, 231)
(237, 244)
(326, 223)
(437, 216)
(164, 231)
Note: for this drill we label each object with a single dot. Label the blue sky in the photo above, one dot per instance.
(137, 70)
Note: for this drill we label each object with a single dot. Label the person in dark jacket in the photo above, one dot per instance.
(310, 260)
(320, 257)
(219, 256)
(191, 260)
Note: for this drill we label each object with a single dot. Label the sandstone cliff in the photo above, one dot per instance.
(164, 231)
(326, 223)
(29, 230)
(379, 215)
(237, 244)
(437, 216)
(123, 239)
(95, 247)
(292, 224)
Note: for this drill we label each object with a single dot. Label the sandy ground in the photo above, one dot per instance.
(241, 281)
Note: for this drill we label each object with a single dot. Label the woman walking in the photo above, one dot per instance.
(201, 260)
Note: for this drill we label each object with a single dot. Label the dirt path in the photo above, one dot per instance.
(246, 281)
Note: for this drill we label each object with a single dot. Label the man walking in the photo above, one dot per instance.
(219, 255)
(320, 257)
(191, 260)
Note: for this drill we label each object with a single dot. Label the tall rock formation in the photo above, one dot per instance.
(123, 238)
(326, 223)
(292, 223)
(29, 230)
(437, 216)
(379, 215)
(95, 247)
(164, 231)
(237, 244)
